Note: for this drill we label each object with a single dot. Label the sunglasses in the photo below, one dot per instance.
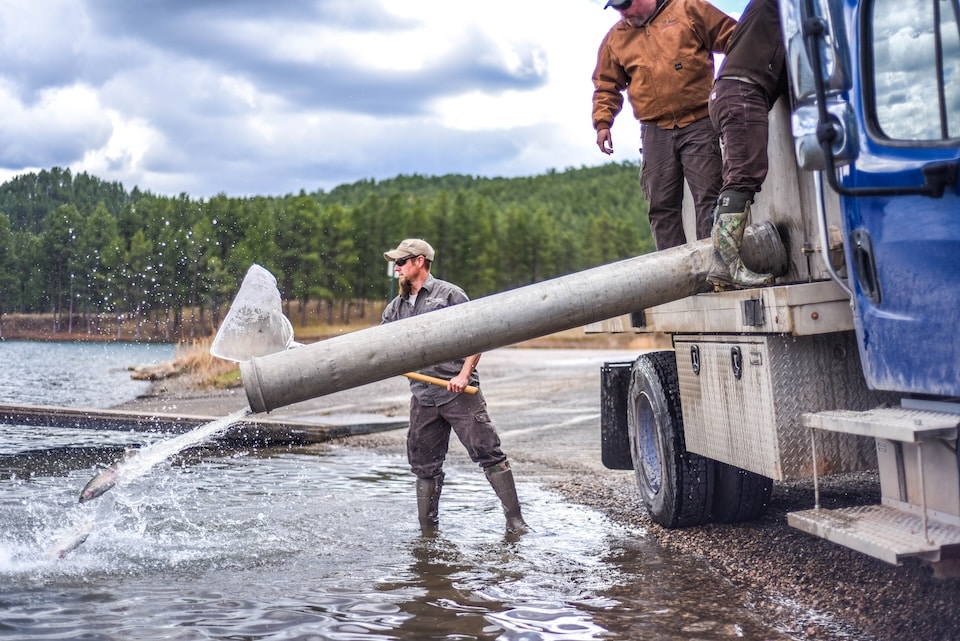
(400, 262)
(623, 6)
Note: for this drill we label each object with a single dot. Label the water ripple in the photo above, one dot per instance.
(276, 545)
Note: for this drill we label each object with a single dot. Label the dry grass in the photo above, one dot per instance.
(193, 360)
(322, 331)
(205, 370)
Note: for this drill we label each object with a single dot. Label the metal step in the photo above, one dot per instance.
(879, 531)
(892, 423)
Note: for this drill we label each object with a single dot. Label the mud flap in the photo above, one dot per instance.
(614, 436)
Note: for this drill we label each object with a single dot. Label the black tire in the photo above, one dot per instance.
(739, 495)
(676, 486)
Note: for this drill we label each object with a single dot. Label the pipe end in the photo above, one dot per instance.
(250, 375)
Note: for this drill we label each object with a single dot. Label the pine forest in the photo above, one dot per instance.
(81, 250)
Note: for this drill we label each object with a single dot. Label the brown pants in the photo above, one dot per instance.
(669, 156)
(429, 435)
(740, 112)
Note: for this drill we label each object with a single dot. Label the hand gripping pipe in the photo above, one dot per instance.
(476, 326)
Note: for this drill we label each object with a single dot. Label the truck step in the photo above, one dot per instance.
(892, 423)
(879, 531)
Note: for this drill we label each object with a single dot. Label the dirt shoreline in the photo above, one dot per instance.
(801, 585)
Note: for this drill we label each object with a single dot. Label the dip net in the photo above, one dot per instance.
(255, 324)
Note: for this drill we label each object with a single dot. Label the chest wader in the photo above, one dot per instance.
(730, 218)
(500, 477)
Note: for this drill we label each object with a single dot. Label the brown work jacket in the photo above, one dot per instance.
(665, 65)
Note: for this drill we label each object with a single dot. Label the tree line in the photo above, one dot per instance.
(80, 247)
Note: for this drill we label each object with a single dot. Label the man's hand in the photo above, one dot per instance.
(605, 141)
(458, 383)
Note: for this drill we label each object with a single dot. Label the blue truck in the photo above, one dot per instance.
(851, 360)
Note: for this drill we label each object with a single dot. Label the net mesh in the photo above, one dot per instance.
(255, 324)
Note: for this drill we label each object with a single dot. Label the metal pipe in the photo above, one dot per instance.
(816, 475)
(824, 232)
(477, 326)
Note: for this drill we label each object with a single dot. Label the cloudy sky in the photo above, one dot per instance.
(250, 97)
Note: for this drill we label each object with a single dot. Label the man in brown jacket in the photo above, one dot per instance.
(661, 54)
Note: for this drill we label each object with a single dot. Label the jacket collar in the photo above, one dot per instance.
(656, 12)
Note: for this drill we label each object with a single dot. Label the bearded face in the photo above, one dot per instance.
(406, 287)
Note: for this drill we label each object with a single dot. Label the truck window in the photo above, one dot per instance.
(915, 50)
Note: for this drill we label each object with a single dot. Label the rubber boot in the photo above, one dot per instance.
(428, 501)
(729, 221)
(501, 480)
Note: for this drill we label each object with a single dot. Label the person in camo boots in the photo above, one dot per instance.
(751, 79)
(435, 410)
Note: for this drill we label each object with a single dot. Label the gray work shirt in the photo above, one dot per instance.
(434, 294)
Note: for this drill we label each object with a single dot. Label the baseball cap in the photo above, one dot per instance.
(615, 3)
(411, 247)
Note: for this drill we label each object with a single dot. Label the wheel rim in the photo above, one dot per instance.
(648, 443)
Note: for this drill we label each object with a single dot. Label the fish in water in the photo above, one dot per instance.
(105, 480)
(71, 539)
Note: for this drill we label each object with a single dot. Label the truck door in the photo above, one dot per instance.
(886, 91)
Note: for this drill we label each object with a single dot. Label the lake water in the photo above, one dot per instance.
(74, 374)
(306, 543)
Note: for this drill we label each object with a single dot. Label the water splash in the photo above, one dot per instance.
(130, 468)
(136, 466)
(71, 537)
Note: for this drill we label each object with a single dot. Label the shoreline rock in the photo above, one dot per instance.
(156, 372)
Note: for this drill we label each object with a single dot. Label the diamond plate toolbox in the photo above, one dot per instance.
(742, 398)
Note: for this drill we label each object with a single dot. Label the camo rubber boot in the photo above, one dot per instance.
(500, 477)
(428, 501)
(730, 218)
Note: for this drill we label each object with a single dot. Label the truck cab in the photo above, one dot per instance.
(851, 360)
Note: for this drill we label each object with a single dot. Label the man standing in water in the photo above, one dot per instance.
(435, 410)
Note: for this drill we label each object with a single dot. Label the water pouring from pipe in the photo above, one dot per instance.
(135, 464)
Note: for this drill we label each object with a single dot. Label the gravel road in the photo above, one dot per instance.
(545, 403)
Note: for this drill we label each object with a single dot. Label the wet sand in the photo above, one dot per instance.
(545, 403)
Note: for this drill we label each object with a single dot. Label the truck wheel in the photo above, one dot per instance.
(739, 495)
(676, 486)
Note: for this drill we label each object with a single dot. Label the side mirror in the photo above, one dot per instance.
(818, 65)
(805, 123)
(798, 18)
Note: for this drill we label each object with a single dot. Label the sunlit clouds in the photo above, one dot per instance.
(245, 98)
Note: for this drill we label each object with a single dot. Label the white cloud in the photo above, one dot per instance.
(122, 156)
(249, 98)
(55, 122)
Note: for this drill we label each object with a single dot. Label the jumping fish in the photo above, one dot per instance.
(105, 480)
(71, 539)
